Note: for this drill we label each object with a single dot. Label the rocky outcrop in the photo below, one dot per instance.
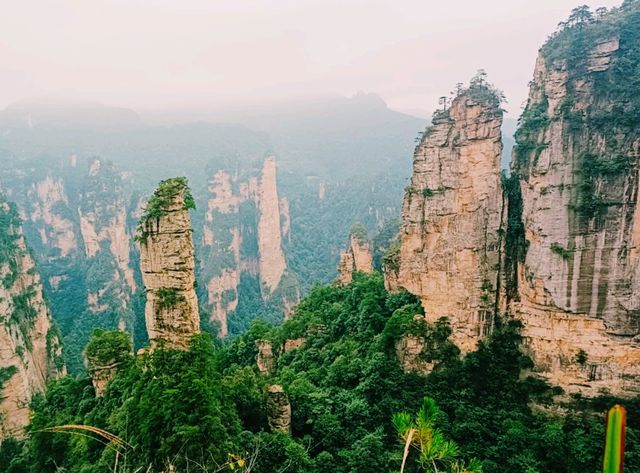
(103, 225)
(48, 199)
(565, 259)
(358, 257)
(103, 217)
(76, 219)
(245, 224)
(30, 353)
(106, 354)
(452, 216)
(292, 344)
(265, 359)
(271, 257)
(167, 265)
(577, 162)
(409, 354)
(278, 409)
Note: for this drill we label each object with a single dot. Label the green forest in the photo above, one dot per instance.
(351, 402)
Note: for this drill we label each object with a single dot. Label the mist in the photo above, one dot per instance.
(164, 55)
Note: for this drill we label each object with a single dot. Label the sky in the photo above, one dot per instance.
(162, 54)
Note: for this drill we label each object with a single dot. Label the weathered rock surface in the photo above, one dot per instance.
(292, 344)
(167, 265)
(452, 216)
(278, 409)
(30, 353)
(47, 196)
(571, 270)
(579, 285)
(271, 260)
(409, 353)
(245, 224)
(358, 257)
(265, 359)
(103, 225)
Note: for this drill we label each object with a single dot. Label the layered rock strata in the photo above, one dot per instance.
(30, 352)
(278, 409)
(577, 162)
(167, 265)
(450, 241)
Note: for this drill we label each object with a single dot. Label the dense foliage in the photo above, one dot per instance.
(205, 406)
(599, 53)
(166, 194)
(107, 347)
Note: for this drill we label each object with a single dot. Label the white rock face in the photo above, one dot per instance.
(29, 348)
(451, 219)
(272, 263)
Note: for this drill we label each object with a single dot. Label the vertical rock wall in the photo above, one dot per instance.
(245, 224)
(29, 348)
(577, 160)
(272, 263)
(452, 216)
(358, 257)
(167, 264)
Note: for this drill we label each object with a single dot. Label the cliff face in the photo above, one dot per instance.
(577, 161)
(48, 197)
(103, 225)
(565, 258)
(358, 257)
(449, 239)
(30, 353)
(242, 246)
(272, 263)
(76, 219)
(167, 264)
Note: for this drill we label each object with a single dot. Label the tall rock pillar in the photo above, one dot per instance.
(450, 235)
(167, 263)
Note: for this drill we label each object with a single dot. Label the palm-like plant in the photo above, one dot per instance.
(436, 454)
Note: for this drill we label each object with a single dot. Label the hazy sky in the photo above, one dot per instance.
(154, 54)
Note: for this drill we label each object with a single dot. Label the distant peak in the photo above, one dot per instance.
(369, 98)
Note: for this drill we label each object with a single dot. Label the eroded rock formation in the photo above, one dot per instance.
(358, 257)
(452, 216)
(245, 224)
(167, 264)
(103, 226)
(566, 253)
(271, 257)
(278, 409)
(577, 160)
(30, 353)
(265, 359)
(107, 353)
(47, 197)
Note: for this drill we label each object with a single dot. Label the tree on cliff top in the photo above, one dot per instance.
(480, 90)
(158, 205)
